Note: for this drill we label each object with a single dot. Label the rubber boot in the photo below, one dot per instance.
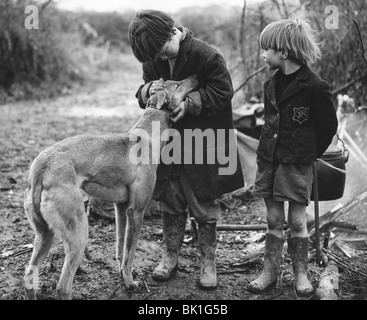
(173, 234)
(207, 246)
(272, 260)
(298, 251)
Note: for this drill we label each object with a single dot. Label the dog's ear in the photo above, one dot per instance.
(152, 101)
(158, 100)
(161, 82)
(162, 99)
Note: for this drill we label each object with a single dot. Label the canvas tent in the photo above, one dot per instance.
(247, 151)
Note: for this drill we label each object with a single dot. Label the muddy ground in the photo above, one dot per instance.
(107, 104)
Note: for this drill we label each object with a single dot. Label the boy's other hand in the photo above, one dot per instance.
(178, 113)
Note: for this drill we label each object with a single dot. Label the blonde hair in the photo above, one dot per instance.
(295, 36)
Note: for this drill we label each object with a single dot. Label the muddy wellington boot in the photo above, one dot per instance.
(298, 251)
(272, 260)
(173, 234)
(207, 246)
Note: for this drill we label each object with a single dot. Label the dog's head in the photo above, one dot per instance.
(173, 93)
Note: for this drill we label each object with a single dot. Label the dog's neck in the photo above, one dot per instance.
(150, 115)
(153, 117)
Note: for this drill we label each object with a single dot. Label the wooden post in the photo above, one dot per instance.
(317, 221)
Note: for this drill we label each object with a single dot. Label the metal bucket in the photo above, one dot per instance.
(331, 174)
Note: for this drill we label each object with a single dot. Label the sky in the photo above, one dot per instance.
(165, 5)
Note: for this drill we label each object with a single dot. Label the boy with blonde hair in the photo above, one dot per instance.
(300, 122)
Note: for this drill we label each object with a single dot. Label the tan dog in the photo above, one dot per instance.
(102, 167)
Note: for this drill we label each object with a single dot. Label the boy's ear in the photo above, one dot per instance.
(284, 54)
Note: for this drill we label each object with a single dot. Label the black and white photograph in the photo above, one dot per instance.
(183, 155)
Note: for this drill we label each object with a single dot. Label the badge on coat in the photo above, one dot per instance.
(300, 114)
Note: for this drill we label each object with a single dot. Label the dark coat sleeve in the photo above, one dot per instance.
(218, 92)
(148, 76)
(326, 119)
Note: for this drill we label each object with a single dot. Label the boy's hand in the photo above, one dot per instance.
(156, 85)
(178, 113)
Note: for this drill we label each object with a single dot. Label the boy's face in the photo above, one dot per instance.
(170, 48)
(273, 58)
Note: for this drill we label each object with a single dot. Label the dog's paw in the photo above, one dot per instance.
(132, 285)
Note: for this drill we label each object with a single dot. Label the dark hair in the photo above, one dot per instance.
(149, 30)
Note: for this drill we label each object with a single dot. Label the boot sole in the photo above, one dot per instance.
(163, 278)
(304, 294)
(206, 288)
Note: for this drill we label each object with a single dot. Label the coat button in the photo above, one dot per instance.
(275, 136)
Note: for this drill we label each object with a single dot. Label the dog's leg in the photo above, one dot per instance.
(74, 245)
(120, 214)
(75, 236)
(42, 244)
(139, 197)
(133, 228)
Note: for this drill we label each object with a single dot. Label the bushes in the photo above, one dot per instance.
(33, 63)
(44, 62)
(342, 60)
(110, 26)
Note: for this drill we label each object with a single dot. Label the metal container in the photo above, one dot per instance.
(331, 174)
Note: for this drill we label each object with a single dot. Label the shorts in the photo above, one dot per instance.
(284, 181)
(178, 196)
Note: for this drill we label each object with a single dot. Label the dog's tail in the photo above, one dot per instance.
(35, 187)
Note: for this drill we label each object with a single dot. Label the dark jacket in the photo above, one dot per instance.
(301, 125)
(215, 87)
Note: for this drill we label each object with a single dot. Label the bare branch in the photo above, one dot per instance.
(276, 3)
(361, 41)
(285, 8)
(250, 76)
(242, 47)
(261, 27)
(349, 84)
(45, 4)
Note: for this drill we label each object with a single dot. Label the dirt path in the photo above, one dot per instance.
(108, 105)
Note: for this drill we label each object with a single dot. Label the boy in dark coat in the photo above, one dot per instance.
(300, 122)
(173, 53)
